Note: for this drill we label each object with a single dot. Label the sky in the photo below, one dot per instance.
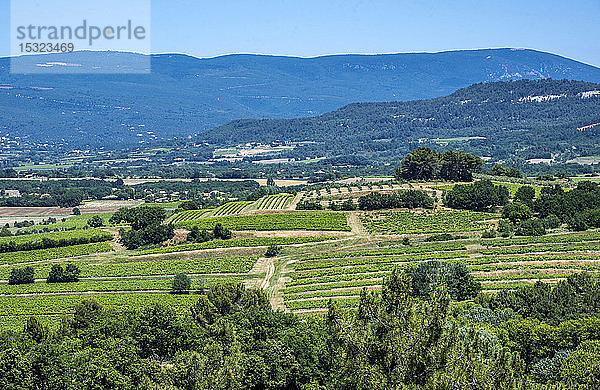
(310, 28)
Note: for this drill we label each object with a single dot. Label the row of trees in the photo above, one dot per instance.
(57, 274)
(482, 195)
(427, 164)
(401, 199)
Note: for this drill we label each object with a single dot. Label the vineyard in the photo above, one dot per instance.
(406, 222)
(231, 208)
(52, 240)
(331, 221)
(268, 202)
(188, 215)
(240, 242)
(274, 202)
(309, 267)
(497, 263)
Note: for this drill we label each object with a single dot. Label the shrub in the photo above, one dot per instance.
(181, 284)
(272, 251)
(21, 276)
(59, 275)
(95, 222)
(309, 205)
(221, 233)
(489, 234)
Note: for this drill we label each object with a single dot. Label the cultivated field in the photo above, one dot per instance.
(326, 255)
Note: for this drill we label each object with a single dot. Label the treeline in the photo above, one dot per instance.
(482, 195)
(400, 199)
(32, 242)
(61, 193)
(427, 164)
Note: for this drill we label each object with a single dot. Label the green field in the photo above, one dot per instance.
(424, 221)
(286, 221)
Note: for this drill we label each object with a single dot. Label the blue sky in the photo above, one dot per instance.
(313, 27)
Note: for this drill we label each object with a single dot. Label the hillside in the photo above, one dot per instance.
(183, 95)
(524, 119)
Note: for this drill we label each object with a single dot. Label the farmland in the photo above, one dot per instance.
(284, 221)
(404, 222)
(324, 255)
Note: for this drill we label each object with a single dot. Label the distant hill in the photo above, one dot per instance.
(185, 95)
(523, 119)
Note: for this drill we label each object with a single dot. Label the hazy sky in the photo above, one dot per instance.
(317, 27)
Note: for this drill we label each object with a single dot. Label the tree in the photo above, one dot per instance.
(419, 164)
(482, 195)
(35, 329)
(189, 205)
(76, 211)
(429, 275)
(516, 211)
(525, 194)
(95, 222)
(530, 227)
(181, 283)
(221, 233)
(270, 182)
(459, 166)
(581, 369)
(5, 232)
(59, 275)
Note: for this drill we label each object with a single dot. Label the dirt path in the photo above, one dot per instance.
(269, 274)
(355, 224)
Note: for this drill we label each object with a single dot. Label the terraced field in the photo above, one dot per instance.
(313, 267)
(425, 221)
(496, 263)
(108, 274)
(332, 221)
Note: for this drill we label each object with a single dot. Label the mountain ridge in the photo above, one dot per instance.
(184, 95)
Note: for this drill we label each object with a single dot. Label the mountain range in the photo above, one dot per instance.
(185, 96)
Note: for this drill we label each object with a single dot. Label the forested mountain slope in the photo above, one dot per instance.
(529, 119)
